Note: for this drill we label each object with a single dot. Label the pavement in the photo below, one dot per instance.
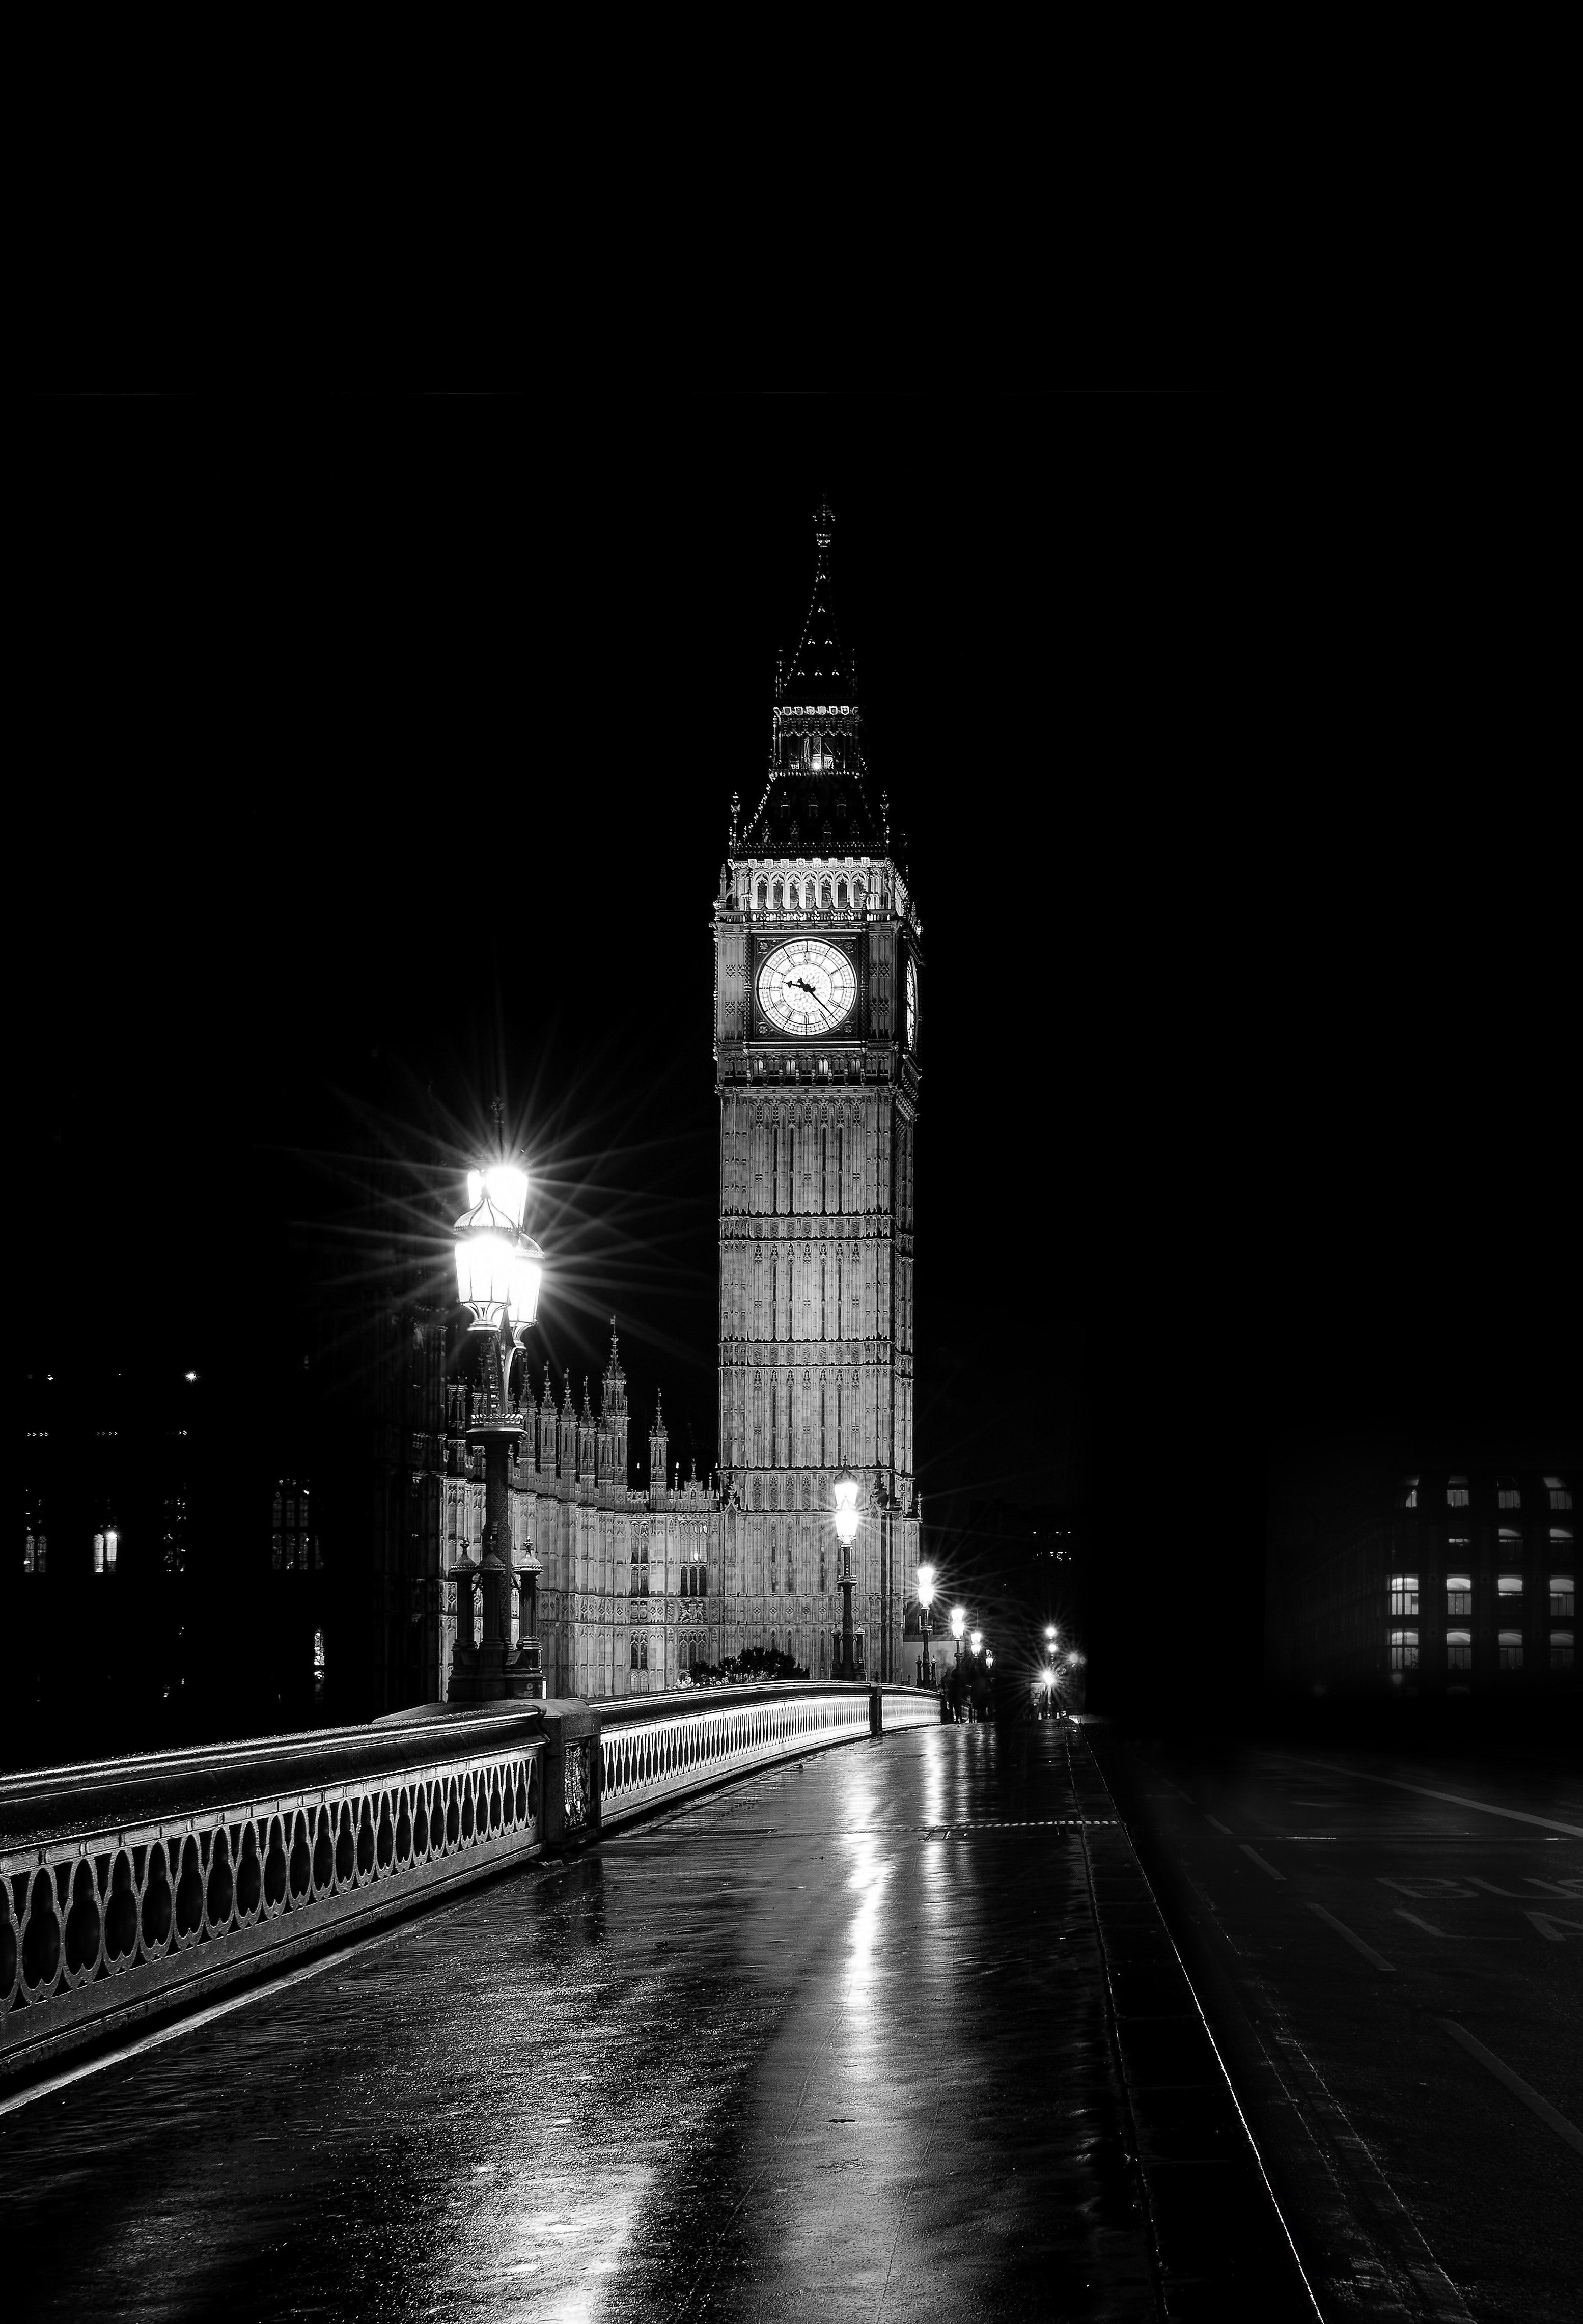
(895, 2032)
(1390, 1955)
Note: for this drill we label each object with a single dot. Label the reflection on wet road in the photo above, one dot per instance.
(831, 2041)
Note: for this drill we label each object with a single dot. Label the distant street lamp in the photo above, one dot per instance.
(976, 1642)
(925, 1600)
(958, 1626)
(846, 1532)
(498, 1271)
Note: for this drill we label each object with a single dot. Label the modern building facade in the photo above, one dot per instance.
(1437, 1579)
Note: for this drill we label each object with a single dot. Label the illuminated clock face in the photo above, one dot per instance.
(912, 1004)
(806, 987)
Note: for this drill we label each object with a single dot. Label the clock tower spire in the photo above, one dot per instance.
(818, 963)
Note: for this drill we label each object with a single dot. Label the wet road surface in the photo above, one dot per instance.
(1391, 1955)
(890, 2033)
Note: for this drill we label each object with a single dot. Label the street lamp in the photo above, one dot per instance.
(958, 1625)
(976, 1642)
(846, 1532)
(925, 1600)
(499, 1272)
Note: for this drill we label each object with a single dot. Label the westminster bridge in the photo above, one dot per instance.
(775, 2001)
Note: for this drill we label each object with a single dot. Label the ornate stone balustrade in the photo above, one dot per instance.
(663, 1746)
(130, 1888)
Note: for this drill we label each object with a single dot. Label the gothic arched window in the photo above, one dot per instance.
(840, 896)
(859, 895)
(824, 896)
(763, 893)
(776, 893)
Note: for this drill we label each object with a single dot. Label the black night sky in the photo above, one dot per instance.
(376, 758)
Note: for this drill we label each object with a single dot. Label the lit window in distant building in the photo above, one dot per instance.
(1560, 1650)
(107, 1543)
(1561, 1541)
(1511, 1541)
(774, 1559)
(638, 1583)
(292, 1548)
(1409, 1492)
(1458, 1593)
(1457, 1493)
(1458, 1650)
(36, 1557)
(320, 1666)
(1509, 1585)
(1403, 1650)
(1403, 1593)
(1559, 1491)
(1507, 1493)
(1561, 1599)
(1510, 1643)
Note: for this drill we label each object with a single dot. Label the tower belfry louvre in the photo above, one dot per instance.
(818, 970)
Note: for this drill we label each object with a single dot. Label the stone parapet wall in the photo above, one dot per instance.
(131, 1889)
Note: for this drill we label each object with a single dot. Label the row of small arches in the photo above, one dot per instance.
(656, 1755)
(811, 895)
(96, 1915)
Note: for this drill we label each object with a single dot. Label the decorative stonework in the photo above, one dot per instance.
(131, 1913)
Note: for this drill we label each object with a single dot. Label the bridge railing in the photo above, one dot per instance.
(129, 1888)
(658, 1748)
(128, 1884)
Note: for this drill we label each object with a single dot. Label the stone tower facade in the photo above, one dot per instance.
(817, 1014)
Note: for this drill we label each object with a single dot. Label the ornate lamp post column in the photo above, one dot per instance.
(499, 1270)
(846, 1529)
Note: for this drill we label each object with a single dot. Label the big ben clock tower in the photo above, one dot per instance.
(817, 1031)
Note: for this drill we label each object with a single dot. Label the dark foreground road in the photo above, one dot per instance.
(897, 2033)
(1382, 1947)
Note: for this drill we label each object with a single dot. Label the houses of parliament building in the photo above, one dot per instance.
(817, 986)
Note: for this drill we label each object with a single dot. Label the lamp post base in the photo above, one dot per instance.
(494, 1674)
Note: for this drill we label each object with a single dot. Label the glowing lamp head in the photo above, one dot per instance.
(486, 1249)
(989, 1658)
(846, 1512)
(527, 1275)
(925, 1586)
(1050, 1633)
(958, 1620)
(977, 1640)
(507, 1188)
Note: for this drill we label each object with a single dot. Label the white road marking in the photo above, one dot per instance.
(1516, 1894)
(1548, 1885)
(1403, 1914)
(1376, 1961)
(1454, 1799)
(1550, 1927)
(1514, 2083)
(1259, 1860)
(1218, 1825)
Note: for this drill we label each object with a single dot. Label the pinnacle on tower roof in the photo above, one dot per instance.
(821, 675)
(816, 802)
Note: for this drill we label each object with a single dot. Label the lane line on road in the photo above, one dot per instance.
(1376, 1961)
(1452, 1799)
(1519, 2088)
(1259, 1860)
(1403, 1914)
(1218, 1825)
